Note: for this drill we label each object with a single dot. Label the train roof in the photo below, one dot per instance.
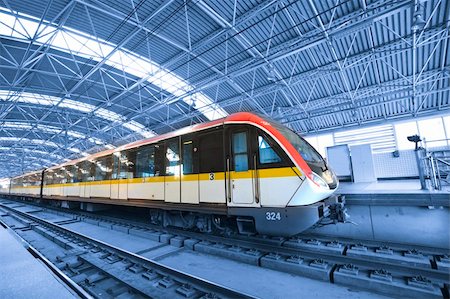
(38, 172)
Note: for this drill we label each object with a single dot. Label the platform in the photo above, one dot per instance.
(394, 192)
(384, 210)
(23, 276)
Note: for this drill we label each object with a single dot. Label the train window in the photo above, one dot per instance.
(85, 170)
(48, 177)
(240, 151)
(61, 175)
(79, 172)
(145, 162)
(159, 160)
(56, 176)
(115, 165)
(91, 168)
(108, 165)
(102, 169)
(211, 152)
(188, 157)
(126, 168)
(75, 173)
(69, 174)
(173, 157)
(130, 156)
(267, 154)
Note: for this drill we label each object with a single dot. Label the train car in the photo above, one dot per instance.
(29, 184)
(242, 171)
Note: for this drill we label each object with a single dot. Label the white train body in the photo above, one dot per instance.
(243, 167)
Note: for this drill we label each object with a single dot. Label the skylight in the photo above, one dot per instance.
(41, 160)
(52, 130)
(26, 150)
(69, 40)
(41, 142)
(46, 100)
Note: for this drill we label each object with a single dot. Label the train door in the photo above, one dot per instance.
(189, 170)
(81, 179)
(242, 179)
(123, 176)
(90, 169)
(172, 179)
(211, 166)
(115, 176)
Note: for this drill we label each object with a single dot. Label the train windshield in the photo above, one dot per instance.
(309, 154)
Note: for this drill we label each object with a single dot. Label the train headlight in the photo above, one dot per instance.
(319, 181)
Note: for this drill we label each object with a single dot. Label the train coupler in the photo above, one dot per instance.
(338, 211)
(334, 211)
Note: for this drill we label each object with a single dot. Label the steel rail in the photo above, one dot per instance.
(57, 272)
(200, 283)
(266, 246)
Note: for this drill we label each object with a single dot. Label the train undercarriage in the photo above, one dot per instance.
(287, 221)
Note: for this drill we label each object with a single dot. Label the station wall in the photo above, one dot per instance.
(404, 166)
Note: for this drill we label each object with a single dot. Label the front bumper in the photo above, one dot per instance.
(286, 221)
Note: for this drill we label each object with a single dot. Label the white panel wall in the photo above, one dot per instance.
(362, 163)
(387, 166)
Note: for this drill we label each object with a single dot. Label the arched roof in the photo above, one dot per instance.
(83, 75)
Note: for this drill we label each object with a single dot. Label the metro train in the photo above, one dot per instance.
(243, 171)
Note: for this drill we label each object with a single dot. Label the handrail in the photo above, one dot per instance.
(442, 161)
(436, 167)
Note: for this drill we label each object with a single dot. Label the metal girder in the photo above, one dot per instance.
(313, 65)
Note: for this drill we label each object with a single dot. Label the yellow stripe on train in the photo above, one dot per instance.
(262, 173)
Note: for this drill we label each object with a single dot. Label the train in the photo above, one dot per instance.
(244, 171)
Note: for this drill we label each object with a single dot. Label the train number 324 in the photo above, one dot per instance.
(273, 216)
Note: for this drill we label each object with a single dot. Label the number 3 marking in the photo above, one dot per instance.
(272, 216)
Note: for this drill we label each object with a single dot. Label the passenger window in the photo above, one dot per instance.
(80, 172)
(159, 160)
(91, 169)
(145, 162)
(188, 159)
(240, 151)
(211, 152)
(69, 174)
(130, 156)
(126, 165)
(86, 170)
(173, 158)
(102, 169)
(266, 153)
(115, 165)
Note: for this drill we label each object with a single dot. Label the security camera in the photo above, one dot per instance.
(415, 138)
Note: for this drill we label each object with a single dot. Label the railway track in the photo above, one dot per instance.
(106, 271)
(392, 269)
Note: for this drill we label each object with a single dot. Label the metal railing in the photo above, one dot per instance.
(438, 168)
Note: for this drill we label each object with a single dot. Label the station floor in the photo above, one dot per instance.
(23, 276)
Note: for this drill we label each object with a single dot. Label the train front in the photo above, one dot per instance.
(313, 199)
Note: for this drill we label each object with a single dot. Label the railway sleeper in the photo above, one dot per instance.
(383, 282)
